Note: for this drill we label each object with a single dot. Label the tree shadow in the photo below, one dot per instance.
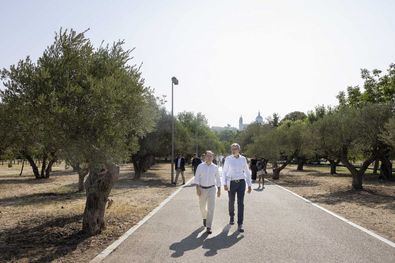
(221, 241)
(41, 198)
(43, 242)
(190, 242)
(21, 180)
(366, 197)
(298, 183)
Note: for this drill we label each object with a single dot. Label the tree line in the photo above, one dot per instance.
(357, 132)
(89, 106)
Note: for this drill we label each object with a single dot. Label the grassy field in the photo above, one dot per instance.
(40, 220)
(373, 208)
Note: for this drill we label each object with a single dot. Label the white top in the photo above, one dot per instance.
(236, 169)
(207, 175)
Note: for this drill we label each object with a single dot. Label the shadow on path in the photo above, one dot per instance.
(218, 242)
(189, 243)
(221, 241)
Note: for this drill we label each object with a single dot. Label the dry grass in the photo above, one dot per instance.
(40, 220)
(373, 207)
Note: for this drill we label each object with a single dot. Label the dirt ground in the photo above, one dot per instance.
(372, 208)
(40, 220)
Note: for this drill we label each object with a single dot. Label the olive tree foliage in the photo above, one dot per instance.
(352, 134)
(86, 104)
(388, 134)
(378, 88)
(227, 137)
(280, 145)
(155, 144)
(193, 133)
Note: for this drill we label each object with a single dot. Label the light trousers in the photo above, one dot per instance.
(178, 172)
(207, 204)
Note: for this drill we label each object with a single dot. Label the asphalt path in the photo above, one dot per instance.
(279, 227)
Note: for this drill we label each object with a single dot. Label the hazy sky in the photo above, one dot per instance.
(232, 58)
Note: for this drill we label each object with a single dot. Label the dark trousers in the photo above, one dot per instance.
(254, 171)
(238, 188)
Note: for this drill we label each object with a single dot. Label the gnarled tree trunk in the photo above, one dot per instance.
(33, 165)
(48, 170)
(357, 174)
(376, 166)
(98, 186)
(82, 172)
(333, 165)
(386, 168)
(141, 163)
(277, 169)
(301, 162)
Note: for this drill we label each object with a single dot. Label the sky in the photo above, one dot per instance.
(232, 58)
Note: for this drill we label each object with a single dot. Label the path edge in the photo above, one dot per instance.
(363, 229)
(107, 251)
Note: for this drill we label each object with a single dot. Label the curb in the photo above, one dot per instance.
(367, 231)
(101, 256)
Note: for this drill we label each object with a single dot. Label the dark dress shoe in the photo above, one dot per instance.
(204, 222)
(208, 231)
(240, 228)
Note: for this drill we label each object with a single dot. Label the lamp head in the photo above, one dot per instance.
(174, 80)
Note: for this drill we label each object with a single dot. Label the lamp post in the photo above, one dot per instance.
(174, 81)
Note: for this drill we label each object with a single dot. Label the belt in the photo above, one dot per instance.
(238, 181)
(207, 187)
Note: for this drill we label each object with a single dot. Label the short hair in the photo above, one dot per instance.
(210, 152)
(236, 145)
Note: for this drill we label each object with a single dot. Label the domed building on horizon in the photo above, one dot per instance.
(258, 119)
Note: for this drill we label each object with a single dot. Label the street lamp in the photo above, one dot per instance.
(174, 81)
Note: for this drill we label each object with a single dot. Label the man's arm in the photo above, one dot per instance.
(247, 172)
(197, 180)
(218, 182)
(225, 173)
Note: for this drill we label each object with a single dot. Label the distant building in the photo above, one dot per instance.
(242, 126)
(258, 119)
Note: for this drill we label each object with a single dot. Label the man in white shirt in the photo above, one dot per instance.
(237, 174)
(207, 182)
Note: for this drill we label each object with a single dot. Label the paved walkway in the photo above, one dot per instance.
(279, 227)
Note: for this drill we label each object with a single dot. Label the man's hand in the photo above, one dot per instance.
(198, 191)
(226, 188)
(249, 190)
(219, 192)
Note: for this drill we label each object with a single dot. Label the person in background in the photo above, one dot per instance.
(253, 168)
(223, 160)
(261, 172)
(180, 168)
(195, 163)
(237, 175)
(215, 161)
(208, 182)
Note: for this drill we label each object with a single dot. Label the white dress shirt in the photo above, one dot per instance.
(207, 175)
(236, 169)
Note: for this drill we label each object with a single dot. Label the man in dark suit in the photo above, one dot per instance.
(180, 168)
(195, 163)
(253, 168)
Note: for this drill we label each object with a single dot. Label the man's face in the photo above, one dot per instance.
(209, 157)
(235, 150)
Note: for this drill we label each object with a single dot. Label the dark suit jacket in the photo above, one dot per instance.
(195, 162)
(182, 164)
